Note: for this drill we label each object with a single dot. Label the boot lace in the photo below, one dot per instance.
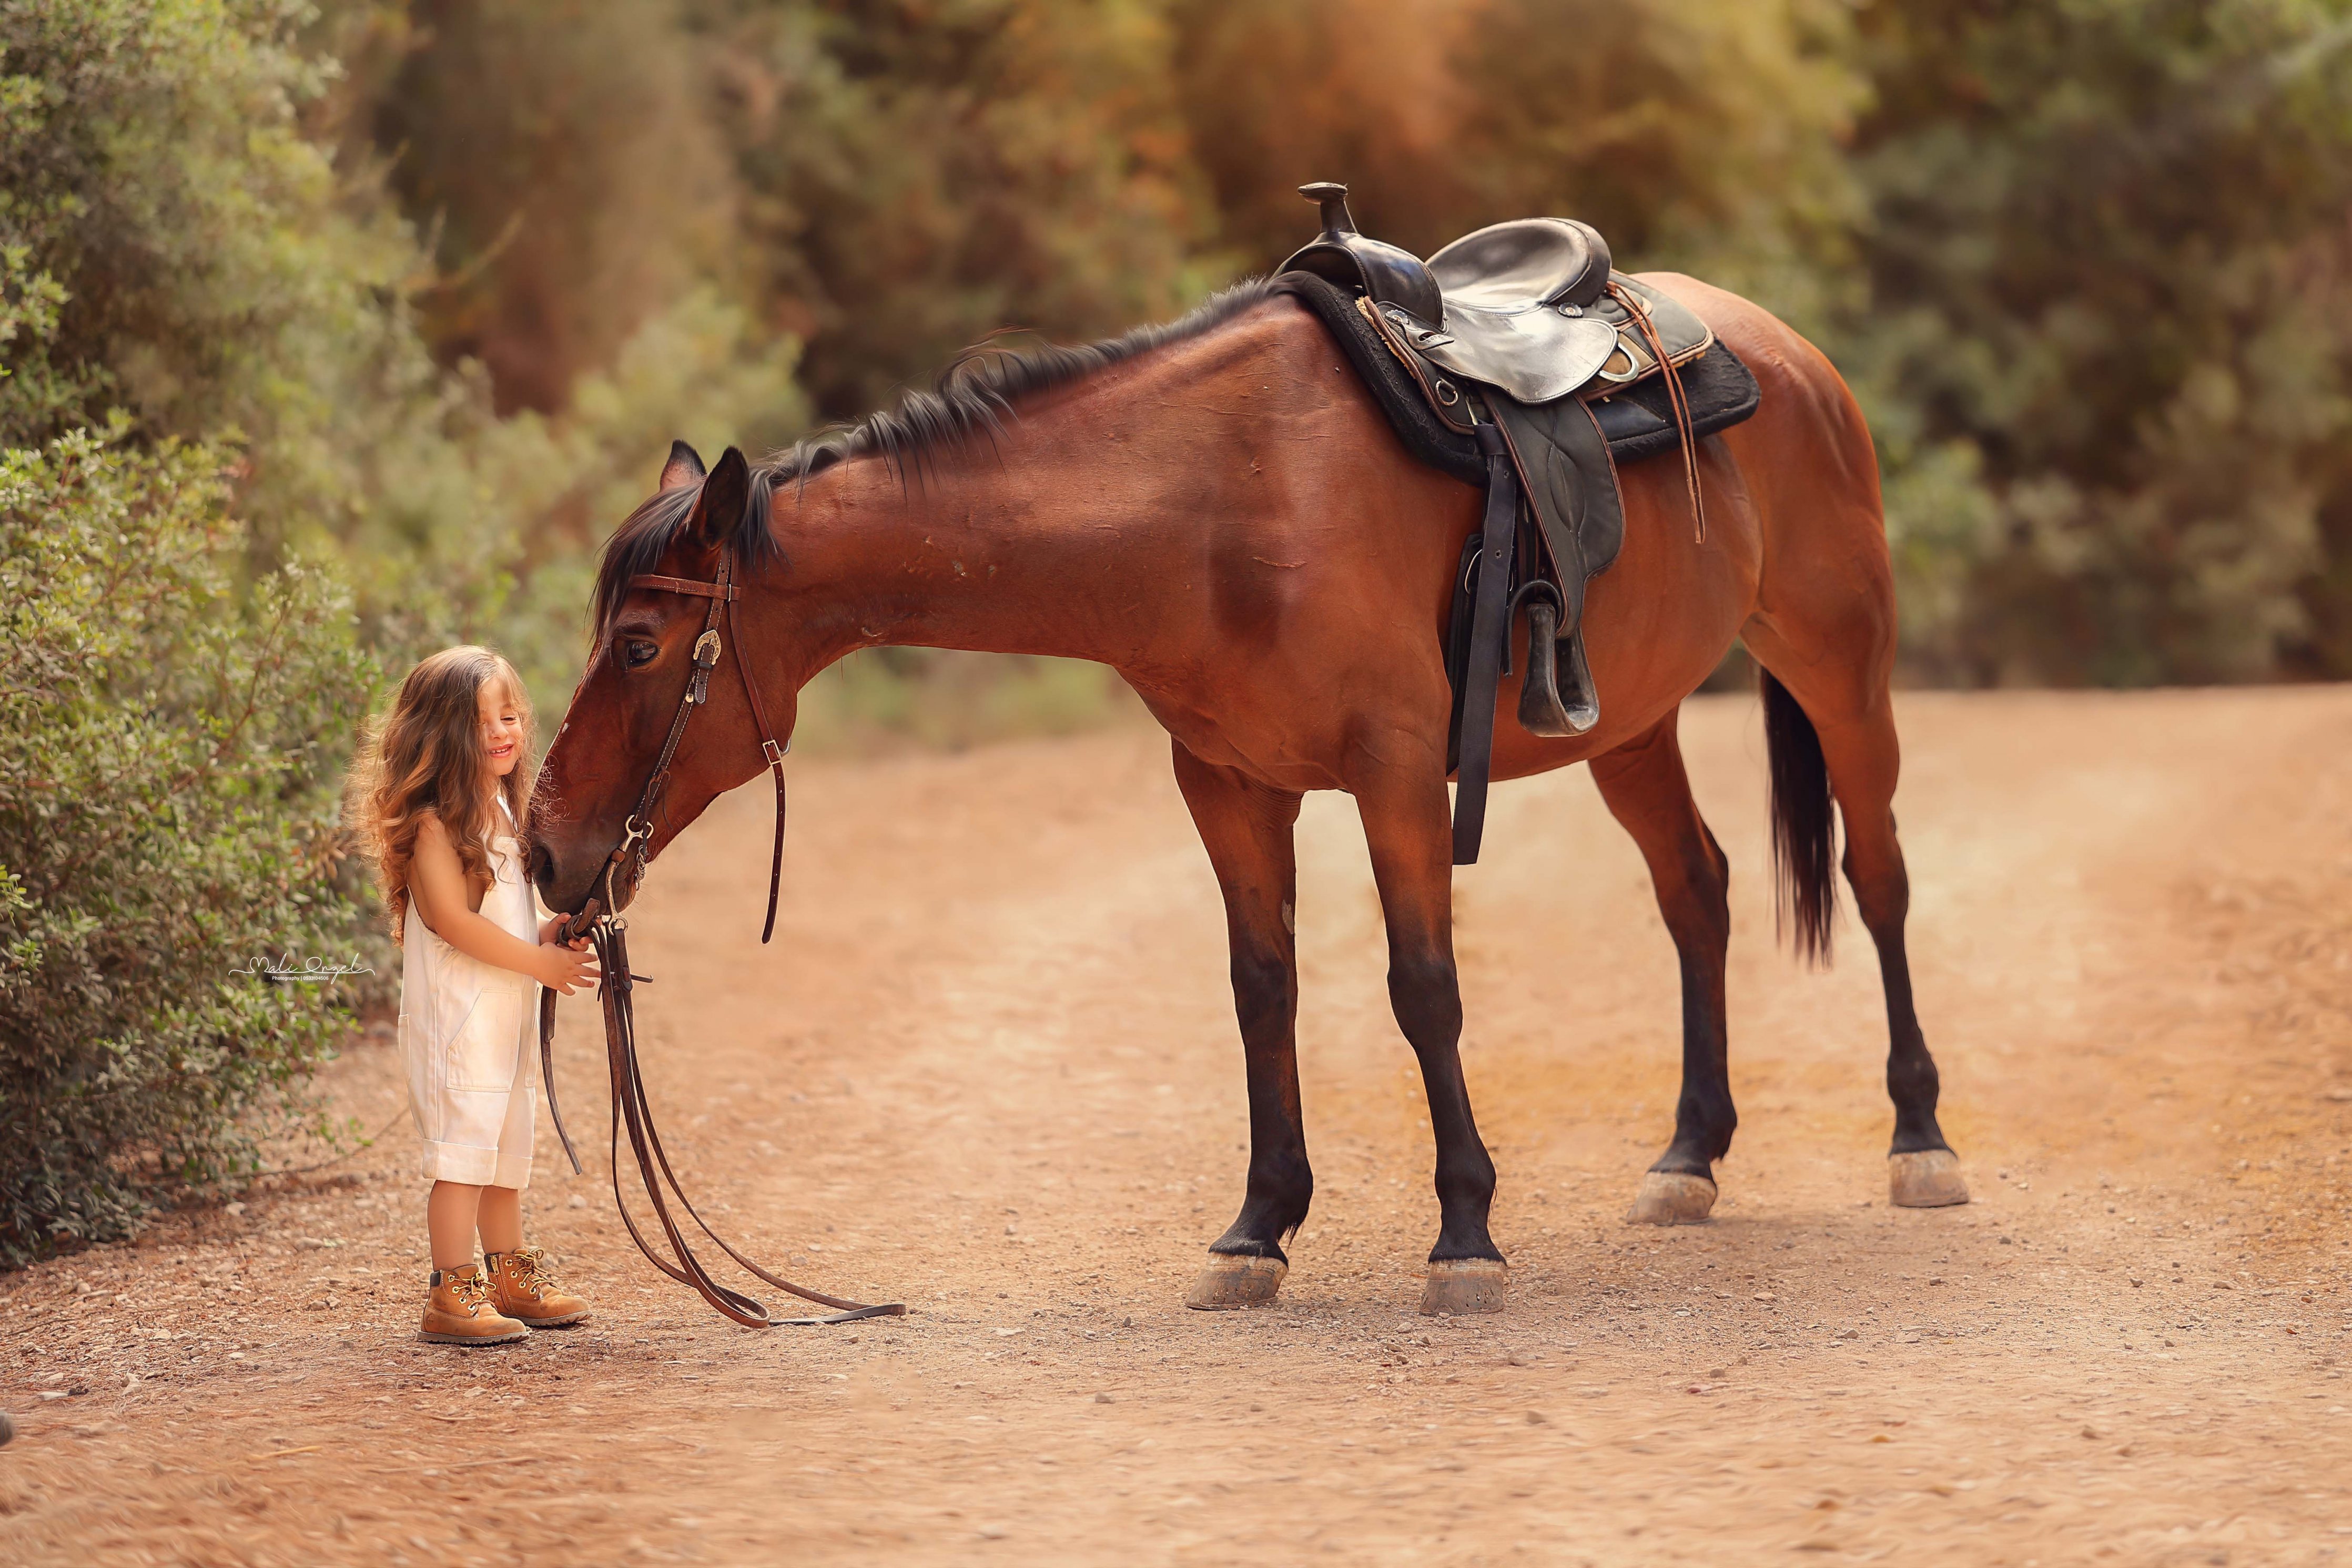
(532, 1275)
(473, 1290)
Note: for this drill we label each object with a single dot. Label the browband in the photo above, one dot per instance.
(686, 585)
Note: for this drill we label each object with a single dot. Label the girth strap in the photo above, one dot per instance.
(1490, 629)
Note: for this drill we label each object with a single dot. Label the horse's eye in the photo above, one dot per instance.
(638, 653)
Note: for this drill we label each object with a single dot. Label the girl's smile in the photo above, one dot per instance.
(502, 726)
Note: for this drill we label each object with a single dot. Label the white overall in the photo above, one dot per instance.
(469, 1034)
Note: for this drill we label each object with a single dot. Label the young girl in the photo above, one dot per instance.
(440, 791)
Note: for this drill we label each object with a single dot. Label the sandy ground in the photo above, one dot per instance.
(989, 1067)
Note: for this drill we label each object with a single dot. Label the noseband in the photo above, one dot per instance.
(609, 933)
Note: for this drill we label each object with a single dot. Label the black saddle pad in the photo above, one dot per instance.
(1639, 421)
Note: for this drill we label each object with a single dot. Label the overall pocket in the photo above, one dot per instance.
(483, 1053)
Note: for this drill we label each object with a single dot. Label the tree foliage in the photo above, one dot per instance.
(2107, 319)
(168, 750)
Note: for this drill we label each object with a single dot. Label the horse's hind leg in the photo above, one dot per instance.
(1246, 829)
(1407, 831)
(1648, 793)
(1842, 692)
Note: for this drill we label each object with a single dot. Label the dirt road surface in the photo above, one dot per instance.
(989, 1066)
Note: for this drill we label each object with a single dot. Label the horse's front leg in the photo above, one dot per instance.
(1407, 829)
(1246, 829)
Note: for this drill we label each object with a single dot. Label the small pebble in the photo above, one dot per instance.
(577, 1202)
(1102, 1398)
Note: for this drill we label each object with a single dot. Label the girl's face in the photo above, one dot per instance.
(502, 723)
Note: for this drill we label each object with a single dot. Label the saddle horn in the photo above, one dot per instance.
(1332, 198)
(1388, 274)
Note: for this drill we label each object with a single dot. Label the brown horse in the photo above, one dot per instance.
(1218, 510)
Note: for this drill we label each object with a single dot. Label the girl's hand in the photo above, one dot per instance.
(566, 969)
(553, 924)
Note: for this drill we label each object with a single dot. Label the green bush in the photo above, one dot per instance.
(168, 742)
(2105, 335)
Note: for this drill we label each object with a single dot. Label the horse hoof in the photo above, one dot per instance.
(1929, 1179)
(1231, 1282)
(1672, 1198)
(1461, 1286)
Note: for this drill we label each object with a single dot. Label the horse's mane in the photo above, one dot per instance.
(970, 399)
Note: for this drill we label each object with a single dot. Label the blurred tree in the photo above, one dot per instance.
(560, 158)
(919, 173)
(1697, 135)
(1690, 132)
(1282, 92)
(2106, 336)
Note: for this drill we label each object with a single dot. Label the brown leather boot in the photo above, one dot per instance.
(522, 1286)
(458, 1312)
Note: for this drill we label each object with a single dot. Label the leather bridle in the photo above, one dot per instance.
(610, 934)
(637, 830)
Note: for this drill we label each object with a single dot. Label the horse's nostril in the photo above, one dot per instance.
(539, 865)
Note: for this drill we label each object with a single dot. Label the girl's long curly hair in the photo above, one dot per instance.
(426, 755)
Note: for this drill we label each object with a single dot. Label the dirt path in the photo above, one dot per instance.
(989, 1066)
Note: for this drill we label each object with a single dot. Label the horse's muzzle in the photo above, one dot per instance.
(562, 887)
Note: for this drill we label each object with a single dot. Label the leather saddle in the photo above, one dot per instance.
(1529, 365)
(1525, 306)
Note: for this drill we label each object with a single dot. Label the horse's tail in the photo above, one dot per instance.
(1804, 862)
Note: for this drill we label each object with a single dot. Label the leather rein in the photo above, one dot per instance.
(609, 933)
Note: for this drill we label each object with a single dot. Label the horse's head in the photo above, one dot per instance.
(639, 667)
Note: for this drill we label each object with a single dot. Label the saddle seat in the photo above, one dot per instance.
(1512, 268)
(1525, 306)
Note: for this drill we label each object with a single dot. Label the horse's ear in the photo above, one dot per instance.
(726, 495)
(683, 467)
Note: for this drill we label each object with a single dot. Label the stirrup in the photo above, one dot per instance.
(1542, 712)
